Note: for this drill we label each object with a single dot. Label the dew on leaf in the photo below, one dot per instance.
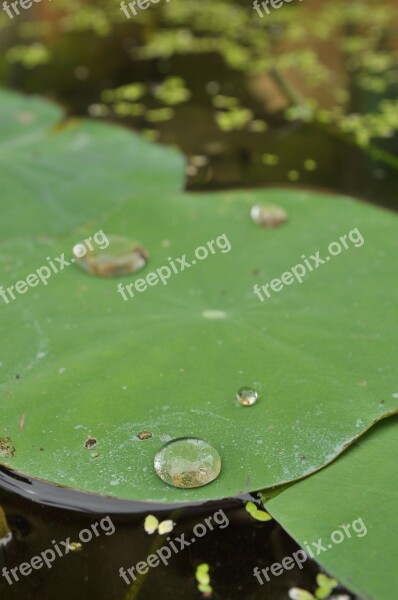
(268, 215)
(214, 314)
(246, 396)
(121, 257)
(187, 462)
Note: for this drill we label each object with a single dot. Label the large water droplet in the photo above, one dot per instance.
(268, 215)
(247, 396)
(187, 462)
(121, 257)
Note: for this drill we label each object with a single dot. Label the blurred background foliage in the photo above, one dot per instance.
(304, 96)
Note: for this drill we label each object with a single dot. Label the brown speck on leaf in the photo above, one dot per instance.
(144, 435)
(17, 376)
(90, 443)
(7, 449)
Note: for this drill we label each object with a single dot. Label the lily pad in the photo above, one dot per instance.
(359, 490)
(80, 362)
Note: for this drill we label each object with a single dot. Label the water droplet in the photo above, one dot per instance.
(187, 463)
(247, 396)
(214, 314)
(268, 215)
(144, 435)
(121, 257)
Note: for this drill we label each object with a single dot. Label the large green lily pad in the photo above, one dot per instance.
(78, 361)
(358, 490)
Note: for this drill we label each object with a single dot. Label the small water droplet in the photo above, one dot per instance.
(187, 463)
(268, 215)
(121, 257)
(214, 314)
(247, 396)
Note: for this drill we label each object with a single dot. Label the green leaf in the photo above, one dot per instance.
(300, 594)
(325, 586)
(256, 513)
(55, 179)
(359, 491)
(81, 363)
